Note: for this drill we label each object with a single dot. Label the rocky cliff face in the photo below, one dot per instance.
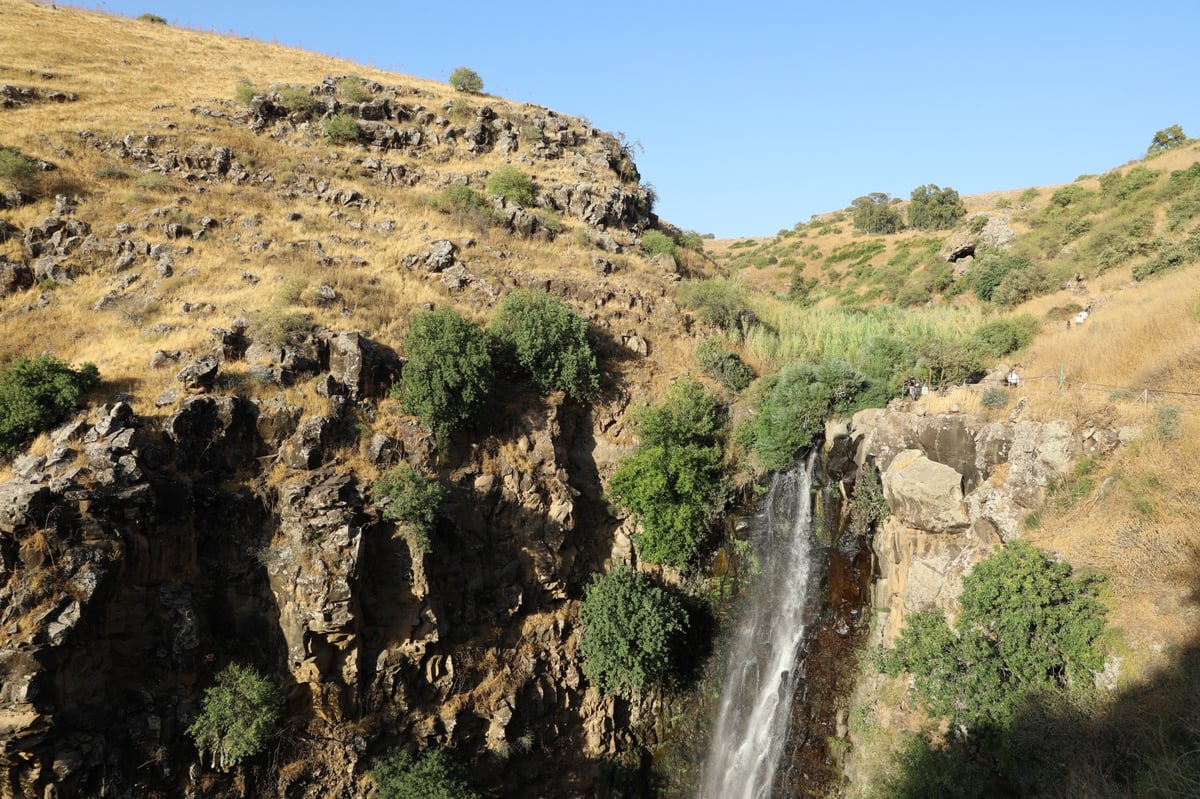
(138, 556)
(957, 486)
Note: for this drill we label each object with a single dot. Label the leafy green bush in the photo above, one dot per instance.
(17, 172)
(459, 200)
(432, 775)
(297, 100)
(933, 208)
(994, 398)
(992, 269)
(238, 715)
(412, 500)
(673, 483)
(245, 91)
(448, 376)
(794, 406)
(868, 506)
(922, 771)
(1170, 258)
(999, 337)
(718, 302)
(876, 213)
(37, 393)
(724, 366)
(1068, 195)
(155, 18)
(949, 361)
(548, 341)
(1027, 629)
(631, 630)
(339, 129)
(465, 79)
(655, 242)
(512, 184)
(353, 89)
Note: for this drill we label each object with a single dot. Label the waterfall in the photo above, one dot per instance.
(760, 678)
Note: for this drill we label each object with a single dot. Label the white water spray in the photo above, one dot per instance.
(760, 681)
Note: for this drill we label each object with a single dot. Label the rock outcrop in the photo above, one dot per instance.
(957, 486)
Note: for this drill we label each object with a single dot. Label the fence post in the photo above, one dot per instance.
(1145, 397)
(1062, 375)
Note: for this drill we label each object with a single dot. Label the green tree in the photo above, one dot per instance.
(238, 715)
(655, 242)
(465, 79)
(412, 500)
(432, 775)
(631, 631)
(933, 208)
(794, 406)
(673, 482)
(1167, 139)
(549, 342)
(876, 213)
(17, 172)
(448, 376)
(37, 393)
(1028, 628)
(512, 184)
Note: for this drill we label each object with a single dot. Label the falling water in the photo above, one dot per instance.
(760, 680)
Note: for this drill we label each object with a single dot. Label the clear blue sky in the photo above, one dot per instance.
(755, 115)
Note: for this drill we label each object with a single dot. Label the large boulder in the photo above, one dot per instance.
(925, 494)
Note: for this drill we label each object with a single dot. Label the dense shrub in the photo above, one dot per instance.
(718, 302)
(459, 200)
(724, 366)
(432, 775)
(465, 79)
(1170, 258)
(1068, 195)
(245, 91)
(339, 129)
(994, 398)
(1027, 630)
(949, 361)
(673, 484)
(1022, 284)
(876, 213)
(868, 506)
(794, 406)
(999, 337)
(35, 394)
(448, 376)
(933, 208)
(238, 715)
(1122, 186)
(353, 89)
(297, 100)
(412, 500)
(155, 18)
(548, 341)
(631, 631)
(512, 184)
(992, 269)
(655, 242)
(17, 172)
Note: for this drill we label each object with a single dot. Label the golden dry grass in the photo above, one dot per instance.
(137, 78)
